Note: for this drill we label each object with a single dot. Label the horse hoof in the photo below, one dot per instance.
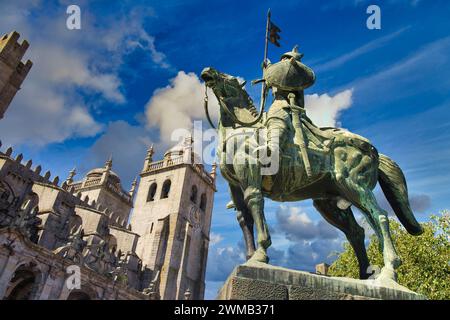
(386, 278)
(259, 256)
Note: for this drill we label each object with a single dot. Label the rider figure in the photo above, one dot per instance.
(285, 77)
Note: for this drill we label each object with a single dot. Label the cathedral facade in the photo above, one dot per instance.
(91, 239)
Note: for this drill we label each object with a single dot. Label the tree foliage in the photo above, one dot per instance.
(425, 265)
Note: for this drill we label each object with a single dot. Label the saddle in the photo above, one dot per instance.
(317, 139)
(326, 138)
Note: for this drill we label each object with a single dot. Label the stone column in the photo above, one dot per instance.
(7, 274)
(53, 279)
(65, 291)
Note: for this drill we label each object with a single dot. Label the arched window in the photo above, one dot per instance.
(152, 192)
(78, 295)
(165, 189)
(203, 202)
(24, 284)
(194, 194)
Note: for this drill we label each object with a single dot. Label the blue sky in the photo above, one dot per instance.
(103, 89)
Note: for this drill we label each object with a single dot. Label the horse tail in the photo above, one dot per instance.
(393, 184)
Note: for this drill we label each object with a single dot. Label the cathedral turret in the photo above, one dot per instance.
(103, 186)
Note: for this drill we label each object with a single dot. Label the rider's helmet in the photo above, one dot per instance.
(292, 54)
(289, 74)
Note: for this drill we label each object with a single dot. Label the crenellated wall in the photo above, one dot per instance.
(53, 215)
(12, 70)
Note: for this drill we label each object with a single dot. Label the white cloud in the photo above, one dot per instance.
(222, 261)
(324, 109)
(296, 225)
(368, 47)
(39, 115)
(181, 102)
(126, 143)
(215, 238)
(405, 78)
(69, 70)
(177, 105)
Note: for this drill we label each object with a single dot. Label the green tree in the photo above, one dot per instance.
(426, 258)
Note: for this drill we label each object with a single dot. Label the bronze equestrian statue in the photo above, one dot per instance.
(333, 167)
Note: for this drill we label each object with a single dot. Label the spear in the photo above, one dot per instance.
(266, 47)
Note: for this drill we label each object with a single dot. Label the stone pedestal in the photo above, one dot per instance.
(259, 281)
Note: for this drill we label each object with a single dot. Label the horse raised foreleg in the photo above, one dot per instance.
(255, 202)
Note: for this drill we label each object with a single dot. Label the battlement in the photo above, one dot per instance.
(98, 182)
(11, 50)
(34, 174)
(170, 163)
(20, 74)
(22, 170)
(12, 70)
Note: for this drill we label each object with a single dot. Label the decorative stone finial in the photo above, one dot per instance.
(150, 153)
(213, 170)
(189, 140)
(108, 163)
(133, 187)
(72, 173)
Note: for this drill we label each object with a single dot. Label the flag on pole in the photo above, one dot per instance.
(273, 34)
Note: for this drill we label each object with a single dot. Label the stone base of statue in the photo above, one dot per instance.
(258, 281)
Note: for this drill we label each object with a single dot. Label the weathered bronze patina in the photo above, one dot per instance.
(333, 167)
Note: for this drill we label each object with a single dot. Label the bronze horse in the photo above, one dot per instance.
(345, 175)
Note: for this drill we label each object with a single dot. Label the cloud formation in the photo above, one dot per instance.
(324, 110)
(215, 238)
(309, 242)
(221, 261)
(70, 71)
(419, 203)
(366, 48)
(298, 226)
(178, 105)
(433, 61)
(181, 102)
(126, 143)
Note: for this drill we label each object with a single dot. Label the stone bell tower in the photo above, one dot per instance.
(12, 70)
(172, 215)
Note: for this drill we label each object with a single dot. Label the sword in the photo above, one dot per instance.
(299, 134)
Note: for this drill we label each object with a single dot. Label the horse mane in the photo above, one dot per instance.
(247, 101)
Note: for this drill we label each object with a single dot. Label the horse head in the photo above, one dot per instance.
(232, 97)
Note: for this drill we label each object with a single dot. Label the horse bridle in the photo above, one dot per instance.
(231, 114)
